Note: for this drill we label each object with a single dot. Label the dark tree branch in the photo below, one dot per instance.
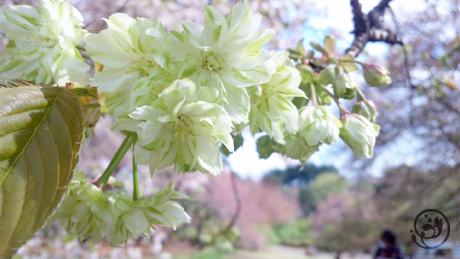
(238, 203)
(123, 7)
(370, 27)
(384, 35)
(361, 29)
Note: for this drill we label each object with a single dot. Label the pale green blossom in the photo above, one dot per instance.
(271, 106)
(359, 134)
(226, 55)
(136, 65)
(318, 126)
(183, 127)
(136, 218)
(86, 211)
(297, 148)
(42, 43)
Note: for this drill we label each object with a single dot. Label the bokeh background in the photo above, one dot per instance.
(337, 205)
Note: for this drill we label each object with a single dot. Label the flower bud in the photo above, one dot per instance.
(318, 126)
(367, 109)
(359, 134)
(376, 75)
(344, 86)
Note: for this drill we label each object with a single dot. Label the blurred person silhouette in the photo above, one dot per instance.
(387, 247)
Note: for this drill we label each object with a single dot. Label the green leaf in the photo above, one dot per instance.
(294, 52)
(84, 91)
(300, 102)
(318, 47)
(329, 45)
(300, 47)
(348, 66)
(307, 74)
(41, 129)
(326, 75)
(266, 147)
(320, 62)
(237, 143)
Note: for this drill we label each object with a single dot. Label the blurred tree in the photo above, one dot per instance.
(346, 222)
(405, 191)
(297, 176)
(262, 205)
(311, 183)
(324, 184)
(294, 234)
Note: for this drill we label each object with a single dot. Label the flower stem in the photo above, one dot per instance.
(352, 61)
(86, 56)
(137, 190)
(336, 100)
(313, 95)
(127, 143)
(80, 47)
(91, 105)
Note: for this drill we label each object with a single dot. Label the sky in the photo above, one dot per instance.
(245, 161)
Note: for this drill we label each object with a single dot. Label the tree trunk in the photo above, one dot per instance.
(338, 254)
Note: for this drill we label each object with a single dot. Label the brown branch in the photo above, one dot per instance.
(123, 7)
(370, 27)
(361, 29)
(238, 203)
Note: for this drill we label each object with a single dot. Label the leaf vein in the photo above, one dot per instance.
(18, 131)
(30, 139)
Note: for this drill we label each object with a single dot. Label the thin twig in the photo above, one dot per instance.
(407, 69)
(313, 95)
(122, 8)
(238, 203)
(343, 110)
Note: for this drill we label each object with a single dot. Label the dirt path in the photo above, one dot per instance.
(284, 252)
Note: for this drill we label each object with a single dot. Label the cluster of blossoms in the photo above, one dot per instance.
(114, 214)
(42, 43)
(182, 95)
